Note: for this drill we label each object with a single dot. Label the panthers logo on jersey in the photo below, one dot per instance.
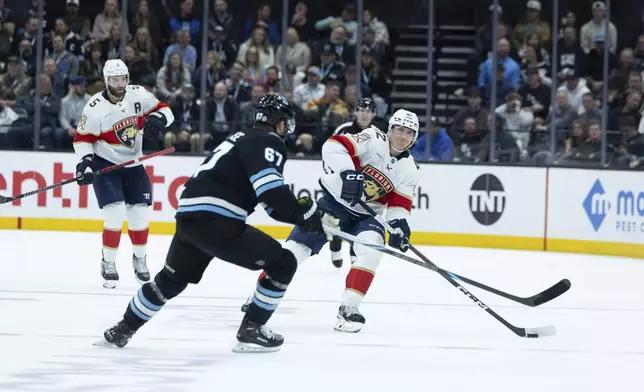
(126, 131)
(376, 184)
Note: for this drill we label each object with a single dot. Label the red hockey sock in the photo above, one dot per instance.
(111, 241)
(139, 240)
(359, 280)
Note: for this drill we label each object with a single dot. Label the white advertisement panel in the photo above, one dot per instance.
(486, 200)
(596, 205)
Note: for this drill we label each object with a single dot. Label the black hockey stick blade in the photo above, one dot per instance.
(531, 333)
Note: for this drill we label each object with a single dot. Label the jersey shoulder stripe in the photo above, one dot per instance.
(341, 129)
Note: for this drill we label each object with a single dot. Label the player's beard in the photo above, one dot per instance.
(114, 93)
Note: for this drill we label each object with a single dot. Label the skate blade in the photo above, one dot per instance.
(250, 348)
(104, 343)
(347, 327)
(109, 284)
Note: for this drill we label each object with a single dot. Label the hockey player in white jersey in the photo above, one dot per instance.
(377, 168)
(364, 112)
(110, 132)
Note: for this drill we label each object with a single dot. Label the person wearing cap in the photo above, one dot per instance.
(596, 26)
(594, 64)
(347, 19)
(77, 22)
(533, 24)
(15, 79)
(311, 89)
(71, 109)
(575, 89)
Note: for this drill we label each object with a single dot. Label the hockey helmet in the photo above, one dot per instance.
(406, 119)
(115, 68)
(273, 108)
(366, 103)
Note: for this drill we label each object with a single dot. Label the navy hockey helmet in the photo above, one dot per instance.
(273, 108)
(366, 103)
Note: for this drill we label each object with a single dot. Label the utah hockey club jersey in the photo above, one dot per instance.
(390, 182)
(113, 131)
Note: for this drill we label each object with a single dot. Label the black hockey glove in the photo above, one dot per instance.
(313, 218)
(399, 239)
(155, 123)
(352, 186)
(84, 173)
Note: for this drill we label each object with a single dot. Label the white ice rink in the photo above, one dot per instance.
(421, 334)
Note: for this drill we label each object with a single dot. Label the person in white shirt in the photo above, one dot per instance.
(575, 89)
(312, 89)
(598, 25)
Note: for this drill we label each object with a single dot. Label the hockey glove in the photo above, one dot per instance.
(155, 123)
(84, 173)
(352, 186)
(313, 218)
(399, 238)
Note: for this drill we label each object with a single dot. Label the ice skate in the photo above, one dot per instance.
(141, 272)
(246, 304)
(109, 274)
(336, 259)
(255, 338)
(118, 335)
(349, 320)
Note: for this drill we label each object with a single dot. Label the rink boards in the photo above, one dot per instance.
(571, 210)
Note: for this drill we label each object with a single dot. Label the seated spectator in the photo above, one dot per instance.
(258, 41)
(375, 77)
(221, 18)
(66, 61)
(247, 109)
(184, 48)
(506, 148)
(29, 32)
(57, 80)
(21, 136)
(330, 67)
(77, 22)
(223, 114)
(339, 44)
(511, 70)
(533, 55)
(631, 109)
(225, 47)
(631, 146)
(146, 48)
(27, 58)
(111, 46)
(298, 57)
(272, 81)
(369, 43)
(262, 20)
(184, 132)
(350, 79)
(625, 66)
(570, 53)
(441, 147)
(532, 23)
(639, 54)
(516, 120)
(72, 41)
(568, 21)
(563, 116)
(93, 64)
(574, 88)
(590, 108)
(577, 135)
(311, 89)
(238, 89)
(171, 78)
(485, 33)
(468, 140)
(596, 26)
(145, 18)
(15, 79)
(379, 28)
(473, 110)
(502, 87)
(139, 68)
(71, 109)
(186, 21)
(590, 149)
(594, 65)
(350, 97)
(106, 20)
(300, 22)
(216, 72)
(347, 20)
(535, 95)
(255, 73)
(635, 82)
(329, 111)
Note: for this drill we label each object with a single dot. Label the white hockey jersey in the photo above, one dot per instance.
(390, 182)
(113, 131)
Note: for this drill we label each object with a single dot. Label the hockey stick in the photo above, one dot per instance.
(538, 332)
(4, 199)
(541, 298)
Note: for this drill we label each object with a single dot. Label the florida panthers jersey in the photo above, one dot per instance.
(113, 131)
(390, 182)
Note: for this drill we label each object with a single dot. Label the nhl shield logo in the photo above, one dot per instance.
(126, 131)
(376, 184)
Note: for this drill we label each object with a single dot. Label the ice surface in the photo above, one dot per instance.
(421, 333)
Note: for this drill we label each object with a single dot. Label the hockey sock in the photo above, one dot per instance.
(265, 300)
(138, 221)
(139, 240)
(143, 306)
(111, 241)
(357, 284)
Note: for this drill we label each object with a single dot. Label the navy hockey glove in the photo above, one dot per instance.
(399, 239)
(84, 173)
(313, 218)
(155, 123)
(352, 186)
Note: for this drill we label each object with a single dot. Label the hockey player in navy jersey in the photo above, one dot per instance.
(110, 132)
(243, 171)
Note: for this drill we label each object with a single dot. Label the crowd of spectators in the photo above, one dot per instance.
(244, 55)
(523, 109)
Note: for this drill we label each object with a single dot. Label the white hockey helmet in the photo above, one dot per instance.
(407, 119)
(115, 67)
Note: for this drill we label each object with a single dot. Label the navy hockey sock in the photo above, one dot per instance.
(143, 306)
(265, 300)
